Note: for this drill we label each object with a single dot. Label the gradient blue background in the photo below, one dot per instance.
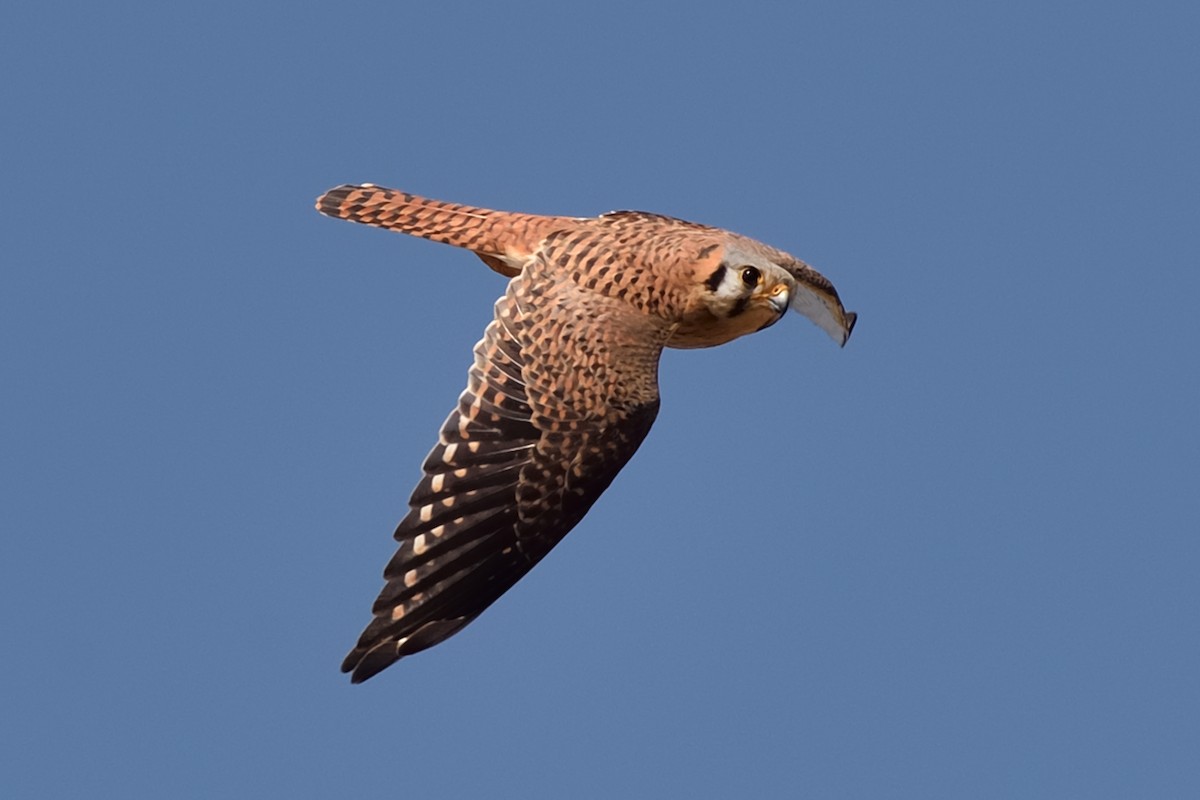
(958, 558)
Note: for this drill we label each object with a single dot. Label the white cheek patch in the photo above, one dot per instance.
(730, 288)
(730, 295)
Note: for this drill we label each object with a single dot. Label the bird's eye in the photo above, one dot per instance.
(751, 276)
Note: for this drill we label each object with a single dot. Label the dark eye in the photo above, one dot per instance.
(751, 276)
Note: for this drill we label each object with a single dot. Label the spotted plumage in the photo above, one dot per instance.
(563, 388)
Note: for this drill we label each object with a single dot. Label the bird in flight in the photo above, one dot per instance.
(563, 388)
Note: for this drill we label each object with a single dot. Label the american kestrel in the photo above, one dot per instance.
(563, 388)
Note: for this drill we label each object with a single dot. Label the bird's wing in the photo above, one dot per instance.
(816, 299)
(562, 391)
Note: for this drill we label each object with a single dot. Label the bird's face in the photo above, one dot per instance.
(733, 295)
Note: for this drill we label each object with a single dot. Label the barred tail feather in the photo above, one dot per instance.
(503, 240)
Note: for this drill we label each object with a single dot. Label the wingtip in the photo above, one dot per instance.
(851, 318)
(365, 665)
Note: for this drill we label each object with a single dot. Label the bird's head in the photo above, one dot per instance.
(742, 287)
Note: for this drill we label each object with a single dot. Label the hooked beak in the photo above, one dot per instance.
(780, 300)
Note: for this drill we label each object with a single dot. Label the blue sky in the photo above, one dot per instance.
(958, 558)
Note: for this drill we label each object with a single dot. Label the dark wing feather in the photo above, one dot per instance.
(505, 483)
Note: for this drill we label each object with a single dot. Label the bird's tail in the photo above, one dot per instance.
(504, 240)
